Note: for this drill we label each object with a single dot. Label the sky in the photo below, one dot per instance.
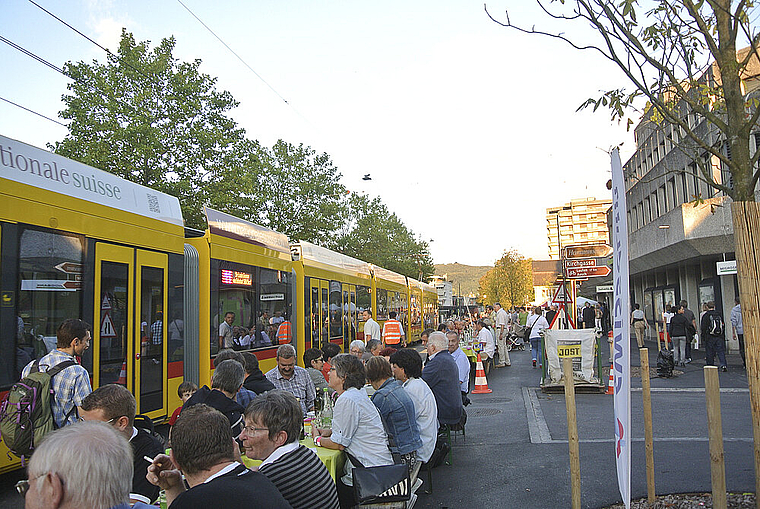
(469, 130)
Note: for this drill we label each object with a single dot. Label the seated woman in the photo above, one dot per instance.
(356, 425)
(397, 410)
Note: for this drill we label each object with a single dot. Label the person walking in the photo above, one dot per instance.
(536, 323)
(501, 336)
(679, 325)
(640, 324)
(738, 325)
(713, 332)
(691, 331)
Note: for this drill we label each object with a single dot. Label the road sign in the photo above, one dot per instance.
(69, 267)
(604, 289)
(570, 349)
(581, 262)
(583, 272)
(589, 251)
(107, 329)
(560, 295)
(106, 303)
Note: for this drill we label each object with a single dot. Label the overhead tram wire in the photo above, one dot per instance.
(32, 111)
(243, 61)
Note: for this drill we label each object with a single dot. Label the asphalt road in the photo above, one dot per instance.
(515, 453)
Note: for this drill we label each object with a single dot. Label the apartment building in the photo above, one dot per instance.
(582, 221)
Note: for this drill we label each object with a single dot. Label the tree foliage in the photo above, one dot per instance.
(681, 57)
(510, 282)
(373, 234)
(151, 119)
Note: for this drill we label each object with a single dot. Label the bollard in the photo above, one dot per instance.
(648, 435)
(715, 433)
(572, 433)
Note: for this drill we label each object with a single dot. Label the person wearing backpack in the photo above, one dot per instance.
(713, 331)
(72, 384)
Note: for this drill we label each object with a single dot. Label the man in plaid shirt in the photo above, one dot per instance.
(72, 384)
(294, 379)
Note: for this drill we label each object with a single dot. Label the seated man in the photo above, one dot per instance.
(485, 337)
(204, 450)
(272, 425)
(225, 383)
(442, 376)
(115, 405)
(244, 395)
(255, 381)
(463, 364)
(81, 465)
(294, 379)
(373, 349)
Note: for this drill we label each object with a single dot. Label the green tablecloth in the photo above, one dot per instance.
(333, 459)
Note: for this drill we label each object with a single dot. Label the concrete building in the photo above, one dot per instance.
(582, 221)
(445, 290)
(674, 243)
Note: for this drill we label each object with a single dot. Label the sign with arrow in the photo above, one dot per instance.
(589, 251)
(585, 272)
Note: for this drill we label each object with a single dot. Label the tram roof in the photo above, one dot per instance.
(226, 225)
(421, 285)
(45, 170)
(313, 253)
(388, 275)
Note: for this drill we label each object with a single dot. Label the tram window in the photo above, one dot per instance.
(151, 360)
(382, 304)
(275, 301)
(363, 301)
(50, 279)
(415, 310)
(402, 309)
(114, 299)
(336, 310)
(325, 317)
(175, 332)
(233, 290)
(352, 316)
(307, 310)
(315, 317)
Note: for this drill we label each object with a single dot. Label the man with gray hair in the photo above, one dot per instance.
(356, 348)
(227, 379)
(501, 328)
(87, 464)
(294, 379)
(442, 376)
(272, 424)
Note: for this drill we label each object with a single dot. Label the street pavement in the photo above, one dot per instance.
(516, 451)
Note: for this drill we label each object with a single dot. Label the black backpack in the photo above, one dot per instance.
(715, 328)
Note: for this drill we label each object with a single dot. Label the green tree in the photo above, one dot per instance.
(288, 188)
(373, 234)
(151, 119)
(510, 282)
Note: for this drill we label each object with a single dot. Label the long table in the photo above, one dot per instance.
(333, 459)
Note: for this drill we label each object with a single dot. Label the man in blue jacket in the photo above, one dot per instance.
(442, 376)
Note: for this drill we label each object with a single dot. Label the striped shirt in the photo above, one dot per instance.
(70, 386)
(302, 479)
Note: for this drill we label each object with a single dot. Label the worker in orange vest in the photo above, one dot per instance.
(284, 333)
(393, 332)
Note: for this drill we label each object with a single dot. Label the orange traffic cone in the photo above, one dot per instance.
(123, 374)
(611, 385)
(481, 384)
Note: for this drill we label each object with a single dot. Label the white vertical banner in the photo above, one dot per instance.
(621, 331)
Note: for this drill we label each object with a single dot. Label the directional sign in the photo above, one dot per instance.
(589, 251)
(69, 267)
(584, 272)
(581, 262)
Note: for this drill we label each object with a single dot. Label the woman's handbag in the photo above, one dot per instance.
(386, 483)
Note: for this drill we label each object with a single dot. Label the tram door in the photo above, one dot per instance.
(130, 333)
(349, 315)
(320, 312)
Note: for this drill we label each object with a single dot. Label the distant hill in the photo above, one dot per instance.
(465, 275)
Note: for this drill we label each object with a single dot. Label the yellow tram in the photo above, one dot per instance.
(77, 242)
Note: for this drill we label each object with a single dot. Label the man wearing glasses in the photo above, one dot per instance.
(72, 384)
(272, 425)
(115, 405)
(80, 466)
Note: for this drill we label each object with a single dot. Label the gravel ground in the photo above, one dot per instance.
(688, 500)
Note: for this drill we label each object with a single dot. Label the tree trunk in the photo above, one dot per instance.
(746, 217)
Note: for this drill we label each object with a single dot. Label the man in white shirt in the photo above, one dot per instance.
(371, 327)
(226, 337)
(486, 338)
(501, 328)
(463, 363)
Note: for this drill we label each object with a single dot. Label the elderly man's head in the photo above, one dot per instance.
(356, 348)
(437, 342)
(228, 377)
(453, 338)
(286, 360)
(88, 464)
(272, 420)
(201, 439)
(374, 346)
(113, 404)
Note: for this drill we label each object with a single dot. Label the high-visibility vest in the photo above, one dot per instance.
(392, 332)
(284, 333)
